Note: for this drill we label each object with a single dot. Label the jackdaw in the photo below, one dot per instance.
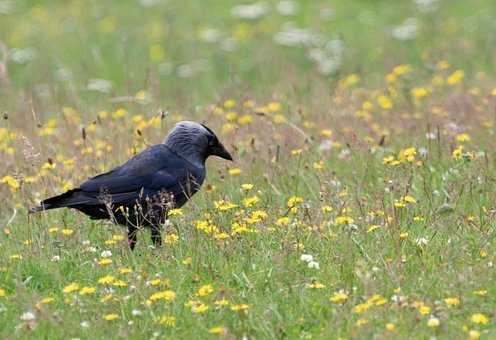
(142, 191)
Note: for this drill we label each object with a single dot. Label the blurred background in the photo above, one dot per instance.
(184, 53)
(87, 84)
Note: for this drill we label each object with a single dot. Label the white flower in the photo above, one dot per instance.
(407, 30)
(84, 324)
(28, 316)
(430, 135)
(23, 55)
(421, 241)
(251, 11)
(287, 7)
(293, 36)
(106, 253)
(55, 258)
(99, 85)
(423, 152)
(149, 3)
(313, 265)
(306, 257)
(6, 6)
(427, 5)
(210, 35)
(136, 312)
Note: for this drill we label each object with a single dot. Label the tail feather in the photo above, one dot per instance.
(67, 199)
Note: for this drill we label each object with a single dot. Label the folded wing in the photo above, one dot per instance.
(154, 170)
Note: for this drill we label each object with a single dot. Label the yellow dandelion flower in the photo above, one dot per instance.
(242, 307)
(229, 104)
(71, 288)
(167, 320)
(175, 212)
(296, 152)
(349, 81)
(274, 107)
(247, 186)
(474, 334)
(342, 220)
(385, 102)
(479, 318)
(481, 292)
(221, 302)
(424, 310)
(218, 330)
(234, 171)
(248, 104)
(205, 290)
(107, 297)
(407, 154)
(110, 317)
(222, 206)
(419, 92)
(251, 201)
(318, 165)
(373, 228)
(390, 327)
(231, 116)
(454, 301)
(458, 152)
(119, 283)
(105, 262)
(171, 238)
(166, 295)
(338, 297)
(316, 285)
(200, 308)
(87, 290)
(326, 133)
(283, 221)
(455, 77)
(67, 232)
(106, 280)
(294, 201)
(11, 182)
(433, 322)
(47, 300)
(245, 120)
(402, 69)
(362, 321)
(119, 113)
(2, 292)
(279, 119)
(463, 137)
(228, 128)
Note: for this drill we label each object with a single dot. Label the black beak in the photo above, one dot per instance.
(220, 151)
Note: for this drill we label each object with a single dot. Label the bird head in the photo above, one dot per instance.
(195, 142)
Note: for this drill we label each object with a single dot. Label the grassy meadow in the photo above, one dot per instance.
(361, 202)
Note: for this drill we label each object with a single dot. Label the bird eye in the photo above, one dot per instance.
(211, 142)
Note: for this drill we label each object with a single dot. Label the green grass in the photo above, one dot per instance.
(399, 218)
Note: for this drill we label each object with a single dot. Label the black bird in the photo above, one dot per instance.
(141, 191)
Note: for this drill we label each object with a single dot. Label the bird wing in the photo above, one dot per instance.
(154, 170)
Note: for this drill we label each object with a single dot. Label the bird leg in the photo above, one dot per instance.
(156, 236)
(132, 236)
